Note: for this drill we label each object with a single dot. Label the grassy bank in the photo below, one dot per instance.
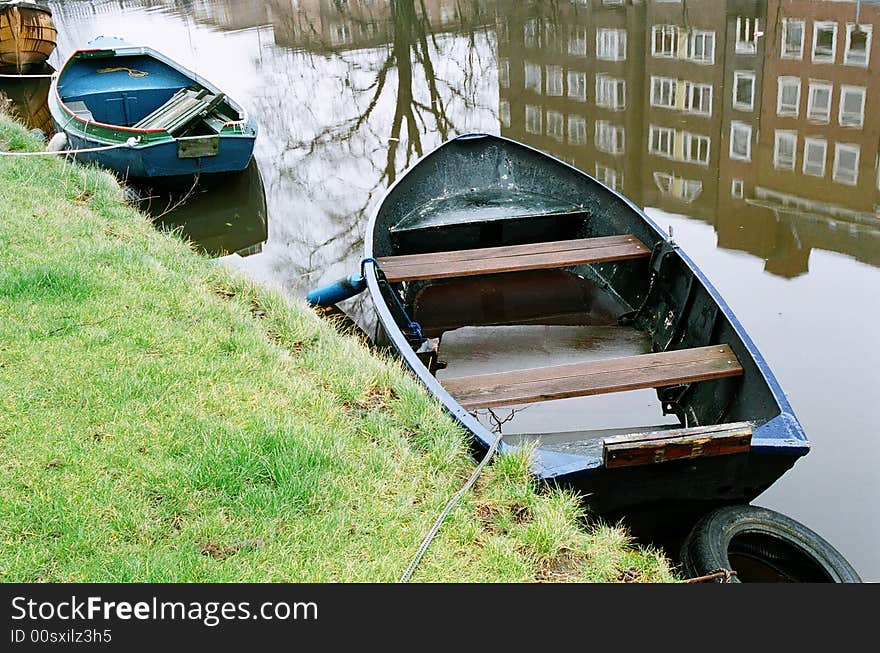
(164, 419)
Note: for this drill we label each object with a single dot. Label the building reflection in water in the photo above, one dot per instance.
(756, 117)
(753, 116)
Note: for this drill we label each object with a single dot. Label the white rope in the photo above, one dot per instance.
(449, 506)
(131, 142)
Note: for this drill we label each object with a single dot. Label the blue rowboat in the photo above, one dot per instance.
(487, 253)
(137, 112)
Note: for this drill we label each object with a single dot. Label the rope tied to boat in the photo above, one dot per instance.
(131, 71)
(449, 506)
(131, 142)
(721, 572)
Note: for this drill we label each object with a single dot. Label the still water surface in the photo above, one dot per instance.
(750, 128)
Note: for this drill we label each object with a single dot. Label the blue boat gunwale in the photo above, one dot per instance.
(121, 51)
(781, 435)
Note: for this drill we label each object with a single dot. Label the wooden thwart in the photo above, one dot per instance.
(594, 377)
(512, 258)
(677, 444)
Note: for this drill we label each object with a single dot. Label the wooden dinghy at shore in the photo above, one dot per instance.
(480, 234)
(27, 35)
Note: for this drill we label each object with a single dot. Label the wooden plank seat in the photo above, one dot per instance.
(594, 377)
(512, 258)
(676, 444)
(185, 107)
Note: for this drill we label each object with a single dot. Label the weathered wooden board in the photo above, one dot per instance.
(594, 377)
(513, 258)
(677, 444)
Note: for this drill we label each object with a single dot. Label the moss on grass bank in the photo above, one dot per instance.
(164, 419)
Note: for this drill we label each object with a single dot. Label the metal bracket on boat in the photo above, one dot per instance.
(411, 330)
(662, 248)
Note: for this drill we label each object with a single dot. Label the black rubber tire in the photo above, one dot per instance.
(761, 545)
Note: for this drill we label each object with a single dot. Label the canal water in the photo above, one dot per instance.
(750, 128)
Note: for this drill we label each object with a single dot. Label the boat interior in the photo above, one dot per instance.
(142, 92)
(572, 322)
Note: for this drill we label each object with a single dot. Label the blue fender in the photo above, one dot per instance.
(338, 291)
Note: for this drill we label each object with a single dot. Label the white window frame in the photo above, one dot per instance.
(616, 88)
(823, 25)
(847, 59)
(530, 33)
(504, 73)
(808, 142)
(690, 190)
(504, 113)
(667, 180)
(555, 125)
(609, 176)
(577, 42)
(737, 189)
(788, 81)
(689, 93)
(785, 135)
(708, 36)
(688, 140)
(616, 38)
(536, 73)
(750, 76)
(665, 31)
(783, 54)
(663, 133)
(537, 115)
(736, 126)
(823, 115)
(608, 128)
(577, 80)
(665, 84)
(554, 76)
(748, 45)
(835, 171)
(577, 130)
(841, 116)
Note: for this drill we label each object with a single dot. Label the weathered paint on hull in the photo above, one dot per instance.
(27, 37)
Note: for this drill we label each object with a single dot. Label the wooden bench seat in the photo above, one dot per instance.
(513, 258)
(594, 377)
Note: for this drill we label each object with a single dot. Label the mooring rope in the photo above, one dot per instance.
(449, 506)
(131, 142)
(726, 574)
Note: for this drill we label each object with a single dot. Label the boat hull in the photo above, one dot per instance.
(161, 159)
(478, 163)
(27, 36)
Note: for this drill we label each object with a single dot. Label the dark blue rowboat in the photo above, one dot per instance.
(487, 235)
(135, 111)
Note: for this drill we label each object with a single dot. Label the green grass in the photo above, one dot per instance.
(164, 419)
